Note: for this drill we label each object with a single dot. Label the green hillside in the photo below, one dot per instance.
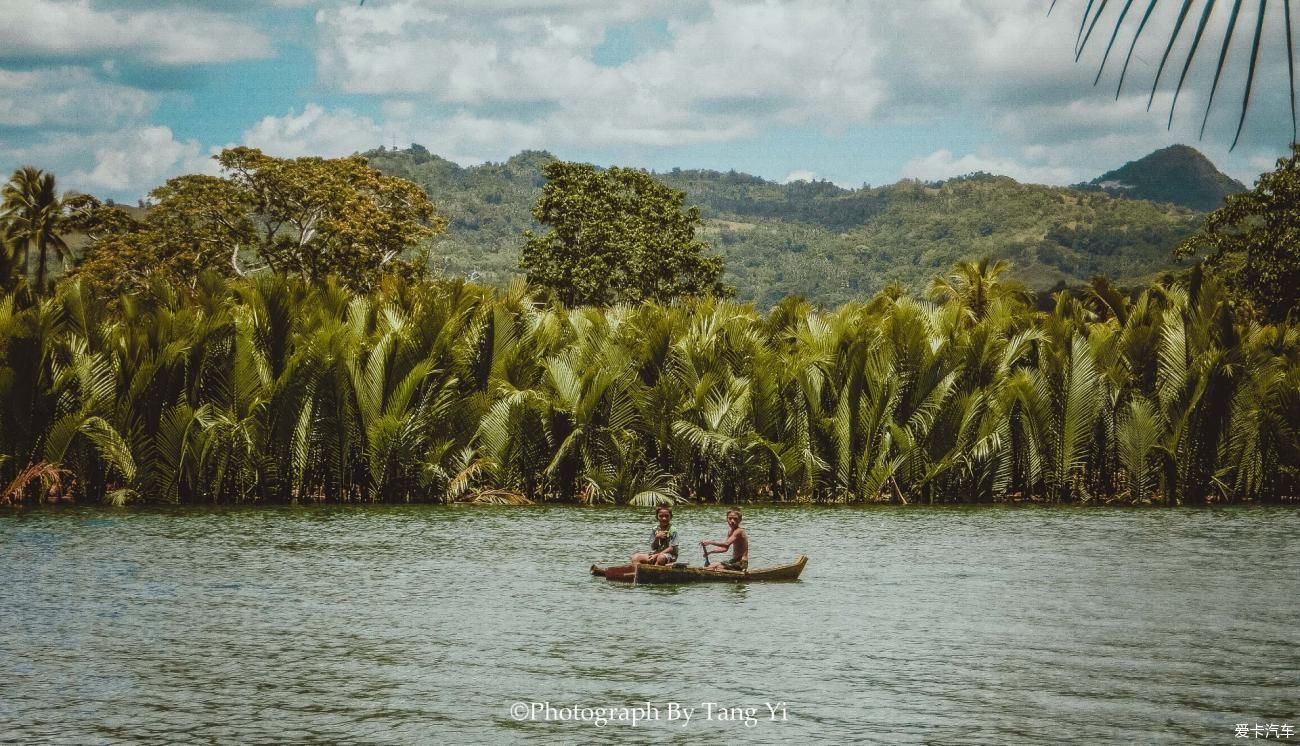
(1177, 174)
(824, 242)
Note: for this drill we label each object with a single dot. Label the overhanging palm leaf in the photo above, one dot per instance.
(1092, 14)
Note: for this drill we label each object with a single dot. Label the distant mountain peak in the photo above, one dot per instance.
(1178, 174)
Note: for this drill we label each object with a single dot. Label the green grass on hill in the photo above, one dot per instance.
(821, 241)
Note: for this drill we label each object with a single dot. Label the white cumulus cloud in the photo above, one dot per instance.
(799, 175)
(727, 69)
(942, 164)
(983, 84)
(77, 29)
(135, 161)
(68, 97)
(124, 163)
(314, 131)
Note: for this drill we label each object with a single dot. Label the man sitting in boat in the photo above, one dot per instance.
(737, 541)
(663, 541)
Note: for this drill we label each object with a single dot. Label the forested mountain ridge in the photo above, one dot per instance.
(824, 242)
(1177, 174)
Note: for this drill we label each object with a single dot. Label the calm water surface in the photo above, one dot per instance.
(406, 625)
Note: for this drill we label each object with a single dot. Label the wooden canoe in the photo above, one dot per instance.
(620, 573)
(670, 574)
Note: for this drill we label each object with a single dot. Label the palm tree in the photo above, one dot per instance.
(977, 287)
(33, 211)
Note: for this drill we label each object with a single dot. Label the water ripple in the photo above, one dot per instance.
(396, 625)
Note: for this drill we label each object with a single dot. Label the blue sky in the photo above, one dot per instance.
(116, 96)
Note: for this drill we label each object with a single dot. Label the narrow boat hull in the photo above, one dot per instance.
(669, 574)
(619, 573)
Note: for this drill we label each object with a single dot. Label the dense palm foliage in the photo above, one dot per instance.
(275, 390)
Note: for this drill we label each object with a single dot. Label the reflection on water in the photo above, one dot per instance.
(395, 625)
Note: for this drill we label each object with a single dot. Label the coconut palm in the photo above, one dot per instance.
(33, 212)
(977, 288)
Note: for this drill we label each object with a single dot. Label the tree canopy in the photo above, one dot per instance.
(616, 236)
(1254, 240)
(310, 217)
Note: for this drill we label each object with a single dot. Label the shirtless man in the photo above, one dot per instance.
(663, 541)
(737, 541)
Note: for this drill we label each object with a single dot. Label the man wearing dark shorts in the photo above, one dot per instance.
(737, 541)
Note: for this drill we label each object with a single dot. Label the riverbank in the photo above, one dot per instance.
(525, 506)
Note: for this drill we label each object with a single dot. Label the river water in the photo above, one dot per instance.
(414, 624)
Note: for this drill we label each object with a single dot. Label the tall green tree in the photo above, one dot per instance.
(616, 236)
(309, 217)
(315, 217)
(32, 212)
(1253, 241)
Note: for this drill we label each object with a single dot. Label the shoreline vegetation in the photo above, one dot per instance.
(272, 389)
(275, 335)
